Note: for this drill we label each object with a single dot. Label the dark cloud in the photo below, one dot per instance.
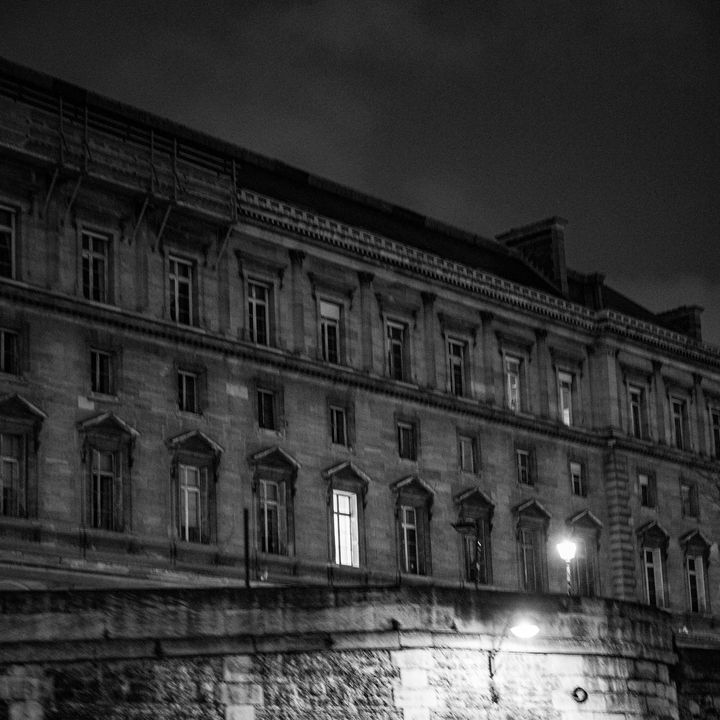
(483, 114)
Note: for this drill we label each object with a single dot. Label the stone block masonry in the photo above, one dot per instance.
(310, 653)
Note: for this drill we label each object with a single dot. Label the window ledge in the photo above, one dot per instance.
(102, 397)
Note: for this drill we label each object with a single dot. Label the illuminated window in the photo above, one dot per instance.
(101, 372)
(345, 527)
(188, 400)
(396, 350)
(181, 291)
(12, 480)
(456, 367)
(407, 440)
(646, 490)
(512, 383)
(9, 352)
(259, 312)
(95, 260)
(330, 331)
(7, 242)
(565, 393)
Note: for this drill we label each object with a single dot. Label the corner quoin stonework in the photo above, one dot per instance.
(319, 653)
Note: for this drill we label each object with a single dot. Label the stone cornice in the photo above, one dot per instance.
(376, 248)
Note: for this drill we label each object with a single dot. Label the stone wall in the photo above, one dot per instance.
(316, 654)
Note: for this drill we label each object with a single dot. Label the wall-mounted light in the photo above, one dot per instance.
(524, 628)
(567, 549)
(521, 627)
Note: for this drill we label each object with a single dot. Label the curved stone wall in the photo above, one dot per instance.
(317, 653)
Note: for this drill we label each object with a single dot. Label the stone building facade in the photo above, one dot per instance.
(192, 335)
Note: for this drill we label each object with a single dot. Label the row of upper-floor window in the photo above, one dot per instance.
(107, 501)
(182, 290)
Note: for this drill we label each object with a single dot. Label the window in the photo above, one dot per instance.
(512, 383)
(473, 526)
(12, 484)
(406, 438)
(107, 457)
(647, 490)
(188, 391)
(412, 510)
(532, 525)
(467, 453)
(578, 483)
(524, 462)
(697, 590)
(104, 479)
(636, 402)
(565, 396)
(530, 541)
(266, 409)
(7, 242)
(689, 500)
(396, 340)
(345, 524)
(679, 424)
(95, 266)
(654, 585)
(274, 476)
(259, 312)
(338, 425)
(583, 569)
(9, 352)
(192, 521)
(271, 513)
(181, 291)
(330, 331)
(715, 430)
(456, 367)
(101, 372)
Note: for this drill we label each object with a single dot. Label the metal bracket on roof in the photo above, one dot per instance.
(56, 173)
(72, 200)
(140, 218)
(162, 229)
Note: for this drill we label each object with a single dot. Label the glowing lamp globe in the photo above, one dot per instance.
(566, 549)
(524, 629)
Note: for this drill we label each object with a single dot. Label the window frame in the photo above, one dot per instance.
(12, 231)
(325, 322)
(18, 485)
(529, 454)
(577, 471)
(566, 380)
(413, 495)
(279, 546)
(196, 406)
(714, 427)
(651, 488)
(532, 523)
(174, 282)
(656, 567)
(474, 527)
(14, 364)
(690, 500)
(349, 535)
(637, 421)
(405, 426)
(251, 307)
(393, 370)
(679, 423)
(90, 254)
(269, 389)
(696, 576)
(336, 430)
(455, 363)
(473, 440)
(96, 374)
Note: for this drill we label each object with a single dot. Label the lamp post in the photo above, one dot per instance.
(566, 549)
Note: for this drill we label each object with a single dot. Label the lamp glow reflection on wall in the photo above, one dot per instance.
(524, 629)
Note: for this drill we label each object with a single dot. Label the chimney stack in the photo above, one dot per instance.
(684, 319)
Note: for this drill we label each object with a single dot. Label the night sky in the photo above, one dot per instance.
(486, 115)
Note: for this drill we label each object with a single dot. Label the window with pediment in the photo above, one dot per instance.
(531, 536)
(474, 526)
(20, 425)
(696, 557)
(274, 477)
(413, 512)
(347, 487)
(194, 475)
(107, 457)
(653, 544)
(585, 531)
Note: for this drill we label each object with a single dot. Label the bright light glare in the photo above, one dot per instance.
(566, 549)
(524, 629)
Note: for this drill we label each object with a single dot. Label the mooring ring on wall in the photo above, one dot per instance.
(579, 695)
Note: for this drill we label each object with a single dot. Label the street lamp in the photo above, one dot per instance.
(522, 627)
(566, 549)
